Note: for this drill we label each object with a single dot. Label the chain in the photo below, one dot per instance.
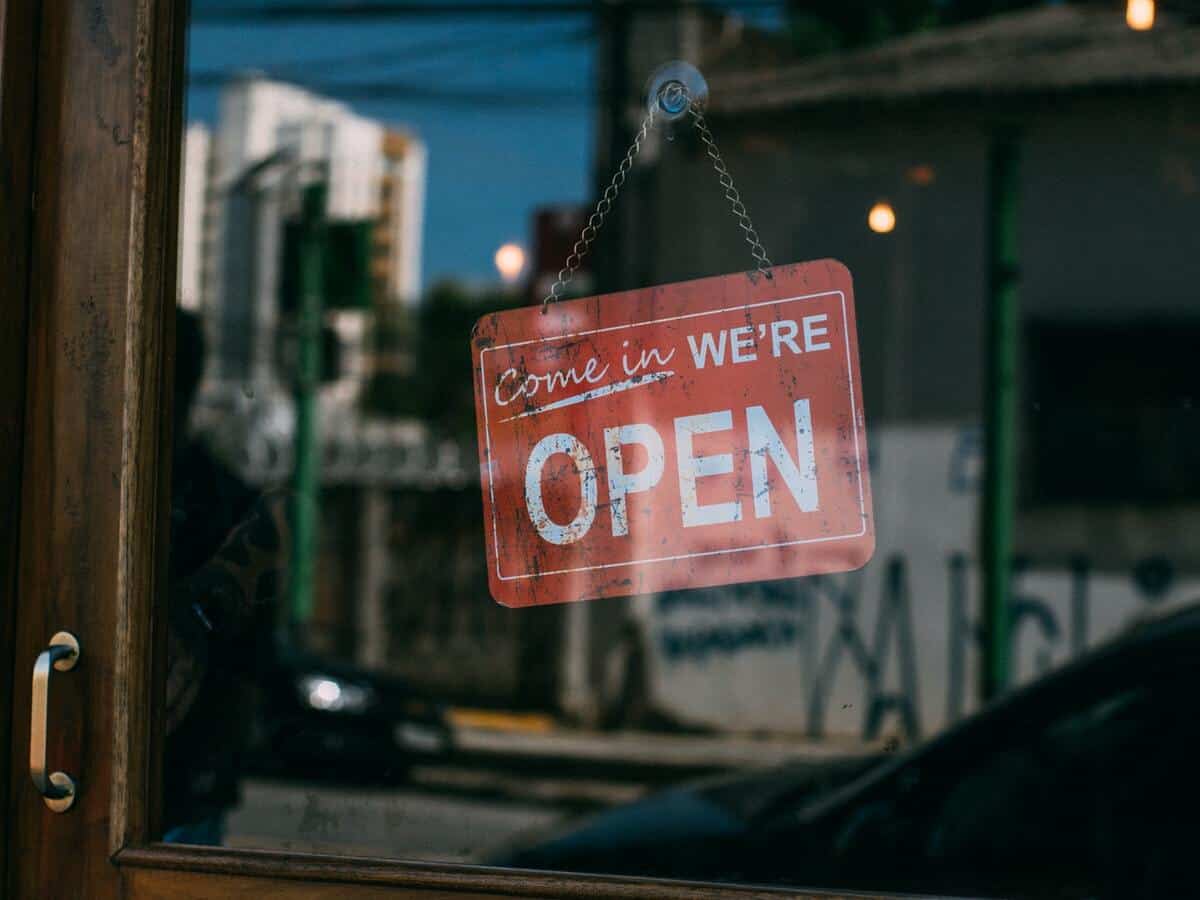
(731, 193)
(604, 206)
(596, 219)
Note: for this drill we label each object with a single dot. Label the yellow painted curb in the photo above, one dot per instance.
(495, 720)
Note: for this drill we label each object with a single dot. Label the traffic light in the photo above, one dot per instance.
(345, 266)
(345, 283)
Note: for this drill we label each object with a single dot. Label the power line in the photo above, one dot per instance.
(516, 97)
(325, 10)
(493, 46)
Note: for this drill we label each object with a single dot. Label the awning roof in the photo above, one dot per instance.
(1047, 49)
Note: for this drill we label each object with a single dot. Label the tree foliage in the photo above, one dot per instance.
(434, 383)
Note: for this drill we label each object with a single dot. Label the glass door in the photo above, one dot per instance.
(296, 287)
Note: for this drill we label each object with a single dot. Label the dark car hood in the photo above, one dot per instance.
(752, 796)
(666, 835)
(691, 831)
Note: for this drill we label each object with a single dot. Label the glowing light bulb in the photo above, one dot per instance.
(510, 262)
(882, 218)
(1139, 14)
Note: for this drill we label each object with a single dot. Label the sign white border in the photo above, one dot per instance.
(862, 506)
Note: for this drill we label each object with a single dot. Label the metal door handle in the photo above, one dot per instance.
(58, 789)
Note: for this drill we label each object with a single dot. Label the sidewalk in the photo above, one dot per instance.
(538, 743)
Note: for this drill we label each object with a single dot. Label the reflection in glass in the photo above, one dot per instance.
(826, 731)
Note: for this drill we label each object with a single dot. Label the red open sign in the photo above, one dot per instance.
(688, 435)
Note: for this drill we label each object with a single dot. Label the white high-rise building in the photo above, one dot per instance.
(374, 171)
(398, 239)
(241, 186)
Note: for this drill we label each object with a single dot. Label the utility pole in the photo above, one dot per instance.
(1000, 406)
(584, 627)
(306, 475)
(613, 25)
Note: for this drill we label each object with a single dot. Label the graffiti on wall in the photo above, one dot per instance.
(883, 654)
(895, 646)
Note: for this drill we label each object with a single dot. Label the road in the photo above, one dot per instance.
(499, 787)
(447, 813)
(407, 822)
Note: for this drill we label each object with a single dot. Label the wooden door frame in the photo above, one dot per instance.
(104, 148)
(105, 132)
(18, 50)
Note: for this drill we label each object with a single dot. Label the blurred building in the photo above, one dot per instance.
(398, 530)
(269, 137)
(241, 191)
(555, 231)
(1108, 521)
(396, 248)
(195, 215)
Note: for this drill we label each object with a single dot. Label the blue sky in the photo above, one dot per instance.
(489, 167)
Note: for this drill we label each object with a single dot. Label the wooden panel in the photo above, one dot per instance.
(18, 50)
(140, 640)
(273, 874)
(102, 291)
(144, 884)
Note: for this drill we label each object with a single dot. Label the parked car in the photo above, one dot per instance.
(1081, 784)
(323, 718)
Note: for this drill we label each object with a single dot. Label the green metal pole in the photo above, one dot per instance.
(306, 476)
(1000, 404)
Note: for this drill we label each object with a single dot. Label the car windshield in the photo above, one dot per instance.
(609, 437)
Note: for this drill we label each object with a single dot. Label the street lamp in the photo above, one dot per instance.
(510, 262)
(1139, 14)
(882, 218)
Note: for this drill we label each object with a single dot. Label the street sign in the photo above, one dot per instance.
(695, 434)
